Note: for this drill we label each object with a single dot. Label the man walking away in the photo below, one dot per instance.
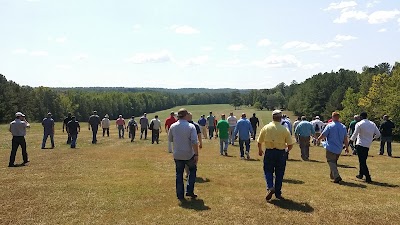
(120, 124)
(186, 152)
(352, 127)
(317, 124)
(211, 125)
(365, 132)
(48, 130)
(244, 128)
(304, 130)
(18, 131)
(203, 125)
(94, 122)
(276, 139)
(73, 128)
(198, 129)
(105, 124)
(336, 135)
(295, 123)
(232, 120)
(155, 127)
(65, 127)
(168, 122)
(132, 126)
(144, 125)
(254, 124)
(222, 128)
(386, 130)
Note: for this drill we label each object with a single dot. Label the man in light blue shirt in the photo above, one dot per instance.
(244, 128)
(335, 134)
(304, 130)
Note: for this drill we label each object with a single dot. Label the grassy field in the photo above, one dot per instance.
(119, 182)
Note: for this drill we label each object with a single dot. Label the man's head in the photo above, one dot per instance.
(120, 116)
(144, 114)
(357, 117)
(284, 116)
(95, 112)
(223, 116)
(182, 113)
(317, 117)
(19, 115)
(202, 116)
(133, 117)
(189, 116)
(106, 116)
(231, 114)
(277, 115)
(254, 114)
(156, 116)
(335, 116)
(303, 118)
(299, 118)
(243, 115)
(73, 118)
(363, 115)
(69, 114)
(172, 113)
(385, 117)
(49, 115)
(210, 113)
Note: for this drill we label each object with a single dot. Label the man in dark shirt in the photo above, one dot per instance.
(386, 135)
(94, 122)
(254, 123)
(48, 127)
(73, 129)
(65, 127)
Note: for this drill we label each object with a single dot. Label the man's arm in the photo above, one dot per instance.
(377, 133)
(346, 143)
(251, 129)
(355, 133)
(200, 140)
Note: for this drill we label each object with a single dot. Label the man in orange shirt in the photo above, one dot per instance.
(168, 122)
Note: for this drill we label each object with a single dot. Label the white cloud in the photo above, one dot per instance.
(274, 61)
(61, 40)
(344, 37)
(264, 42)
(382, 16)
(372, 3)
(137, 27)
(311, 66)
(20, 51)
(81, 57)
(39, 53)
(230, 63)
(184, 29)
(152, 57)
(336, 56)
(63, 66)
(237, 47)
(305, 46)
(341, 5)
(199, 60)
(207, 48)
(345, 16)
(382, 30)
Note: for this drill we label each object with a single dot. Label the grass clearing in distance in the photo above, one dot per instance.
(119, 182)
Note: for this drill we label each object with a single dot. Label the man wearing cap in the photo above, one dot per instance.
(94, 122)
(386, 130)
(144, 125)
(223, 127)
(48, 126)
(186, 152)
(304, 130)
(65, 127)
(211, 125)
(18, 131)
(168, 122)
(120, 124)
(105, 124)
(365, 132)
(276, 139)
(155, 126)
(244, 128)
(232, 120)
(73, 128)
(203, 125)
(255, 122)
(336, 135)
(317, 124)
(132, 127)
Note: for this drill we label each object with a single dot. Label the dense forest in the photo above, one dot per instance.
(374, 90)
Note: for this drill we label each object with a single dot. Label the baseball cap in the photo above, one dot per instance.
(19, 114)
(276, 112)
(317, 117)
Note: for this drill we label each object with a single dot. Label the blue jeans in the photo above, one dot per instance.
(385, 140)
(223, 148)
(274, 161)
(73, 140)
(241, 146)
(180, 167)
(94, 132)
(45, 135)
(211, 132)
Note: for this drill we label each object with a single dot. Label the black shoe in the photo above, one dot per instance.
(192, 195)
(270, 193)
(368, 180)
(280, 197)
(12, 165)
(26, 162)
(337, 180)
(360, 177)
(181, 199)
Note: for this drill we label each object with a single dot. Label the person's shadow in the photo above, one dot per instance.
(202, 180)
(292, 205)
(384, 184)
(195, 204)
(350, 184)
(292, 181)
(346, 166)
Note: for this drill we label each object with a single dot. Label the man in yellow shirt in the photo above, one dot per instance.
(276, 139)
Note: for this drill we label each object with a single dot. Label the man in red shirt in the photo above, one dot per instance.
(168, 122)
(120, 123)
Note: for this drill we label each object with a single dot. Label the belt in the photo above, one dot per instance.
(274, 149)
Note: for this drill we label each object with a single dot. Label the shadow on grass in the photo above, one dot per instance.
(252, 160)
(294, 160)
(314, 161)
(195, 204)
(355, 185)
(292, 205)
(202, 180)
(346, 166)
(293, 181)
(396, 157)
(383, 184)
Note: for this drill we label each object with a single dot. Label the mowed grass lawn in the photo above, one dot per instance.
(119, 182)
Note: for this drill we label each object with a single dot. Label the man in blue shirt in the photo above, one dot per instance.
(48, 125)
(335, 134)
(202, 123)
(244, 128)
(304, 130)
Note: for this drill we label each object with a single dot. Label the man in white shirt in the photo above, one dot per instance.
(155, 127)
(232, 120)
(105, 124)
(317, 124)
(365, 132)
(294, 127)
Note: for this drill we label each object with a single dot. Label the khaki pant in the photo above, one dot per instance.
(304, 147)
(332, 159)
(204, 131)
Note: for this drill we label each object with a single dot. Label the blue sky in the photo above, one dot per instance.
(183, 43)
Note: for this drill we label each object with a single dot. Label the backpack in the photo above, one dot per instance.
(316, 128)
(151, 125)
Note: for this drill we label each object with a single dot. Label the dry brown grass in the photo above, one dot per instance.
(118, 182)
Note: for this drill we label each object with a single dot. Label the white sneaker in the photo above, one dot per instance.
(242, 158)
(247, 155)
